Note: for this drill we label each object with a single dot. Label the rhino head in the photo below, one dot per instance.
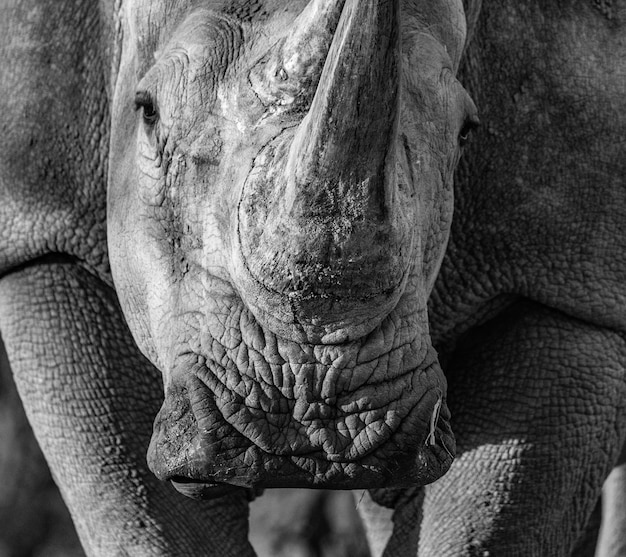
(280, 193)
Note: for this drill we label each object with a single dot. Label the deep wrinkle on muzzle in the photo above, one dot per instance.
(243, 418)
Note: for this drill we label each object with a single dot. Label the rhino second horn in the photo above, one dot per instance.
(311, 34)
(293, 68)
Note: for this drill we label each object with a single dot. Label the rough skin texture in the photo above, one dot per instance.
(528, 310)
(91, 408)
(273, 257)
(89, 394)
(34, 519)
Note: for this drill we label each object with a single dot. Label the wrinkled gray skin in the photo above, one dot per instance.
(279, 199)
(34, 519)
(225, 276)
(288, 322)
(529, 309)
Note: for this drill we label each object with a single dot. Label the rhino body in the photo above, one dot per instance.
(279, 179)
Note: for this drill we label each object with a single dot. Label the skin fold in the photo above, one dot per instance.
(198, 148)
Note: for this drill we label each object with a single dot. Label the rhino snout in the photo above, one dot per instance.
(366, 414)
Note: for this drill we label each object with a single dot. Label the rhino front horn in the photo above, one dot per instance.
(348, 135)
(320, 242)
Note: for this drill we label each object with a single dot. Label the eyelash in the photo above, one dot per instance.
(146, 103)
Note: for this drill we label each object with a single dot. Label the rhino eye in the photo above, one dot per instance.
(145, 103)
(471, 123)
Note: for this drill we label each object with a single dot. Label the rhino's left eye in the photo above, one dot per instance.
(147, 105)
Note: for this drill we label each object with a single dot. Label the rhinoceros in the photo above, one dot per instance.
(274, 180)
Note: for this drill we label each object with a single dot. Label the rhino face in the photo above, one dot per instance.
(279, 201)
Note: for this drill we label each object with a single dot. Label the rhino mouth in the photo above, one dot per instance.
(338, 417)
(202, 490)
(195, 489)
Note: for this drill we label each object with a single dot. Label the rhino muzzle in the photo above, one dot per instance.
(316, 425)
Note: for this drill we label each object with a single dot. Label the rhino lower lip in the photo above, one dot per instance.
(203, 490)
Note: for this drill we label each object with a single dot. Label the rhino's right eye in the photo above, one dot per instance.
(469, 126)
(147, 105)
